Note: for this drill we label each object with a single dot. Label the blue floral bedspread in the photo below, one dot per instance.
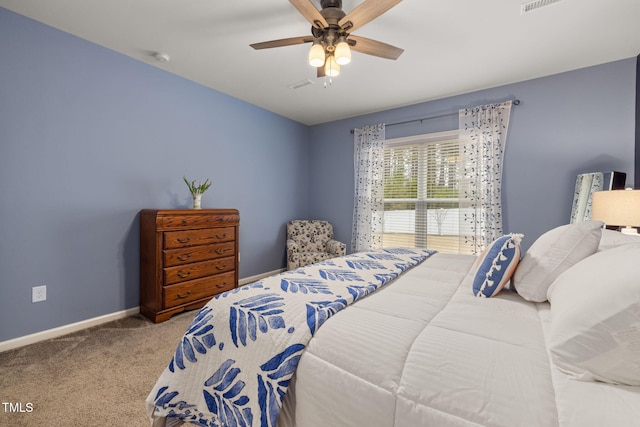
(233, 365)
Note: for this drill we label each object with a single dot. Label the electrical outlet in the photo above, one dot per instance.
(39, 293)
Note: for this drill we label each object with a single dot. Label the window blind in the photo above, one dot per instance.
(421, 192)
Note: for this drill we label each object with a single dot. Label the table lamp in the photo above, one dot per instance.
(617, 208)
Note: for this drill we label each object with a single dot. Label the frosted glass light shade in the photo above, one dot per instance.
(316, 55)
(617, 207)
(331, 68)
(342, 53)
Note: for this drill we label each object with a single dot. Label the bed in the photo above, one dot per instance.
(417, 347)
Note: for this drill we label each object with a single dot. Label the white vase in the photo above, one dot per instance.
(196, 201)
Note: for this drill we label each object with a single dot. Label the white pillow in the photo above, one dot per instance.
(595, 317)
(553, 253)
(611, 239)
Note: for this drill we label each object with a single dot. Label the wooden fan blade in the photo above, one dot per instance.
(321, 72)
(375, 48)
(309, 11)
(365, 13)
(282, 42)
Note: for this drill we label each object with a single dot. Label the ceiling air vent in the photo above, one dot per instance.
(536, 4)
(300, 84)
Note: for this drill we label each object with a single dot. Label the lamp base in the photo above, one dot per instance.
(629, 230)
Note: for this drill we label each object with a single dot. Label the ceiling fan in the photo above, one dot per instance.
(331, 36)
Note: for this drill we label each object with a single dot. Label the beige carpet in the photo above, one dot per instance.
(97, 377)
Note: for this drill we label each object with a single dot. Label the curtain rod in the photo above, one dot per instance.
(515, 102)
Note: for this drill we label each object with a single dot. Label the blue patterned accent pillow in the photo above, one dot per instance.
(496, 265)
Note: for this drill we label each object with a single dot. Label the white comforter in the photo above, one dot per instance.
(425, 352)
(233, 366)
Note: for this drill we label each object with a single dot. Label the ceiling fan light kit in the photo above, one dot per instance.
(331, 67)
(316, 55)
(343, 52)
(331, 34)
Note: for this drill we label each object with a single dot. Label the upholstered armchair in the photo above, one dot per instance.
(311, 241)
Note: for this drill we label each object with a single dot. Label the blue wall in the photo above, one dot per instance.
(88, 137)
(579, 121)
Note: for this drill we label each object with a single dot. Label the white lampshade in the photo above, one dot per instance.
(617, 208)
(343, 53)
(316, 55)
(331, 68)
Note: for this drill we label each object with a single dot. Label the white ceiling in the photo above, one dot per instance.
(451, 46)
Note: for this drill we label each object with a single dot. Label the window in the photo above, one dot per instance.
(421, 192)
(444, 190)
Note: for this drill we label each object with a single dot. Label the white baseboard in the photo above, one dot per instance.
(74, 327)
(257, 277)
(66, 329)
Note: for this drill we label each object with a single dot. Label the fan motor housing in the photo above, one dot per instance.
(332, 13)
(331, 3)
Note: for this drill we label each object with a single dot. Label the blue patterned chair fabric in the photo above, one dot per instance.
(311, 241)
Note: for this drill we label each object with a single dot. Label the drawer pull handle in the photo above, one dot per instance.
(188, 239)
(220, 251)
(185, 295)
(184, 257)
(221, 285)
(183, 275)
(221, 267)
(224, 236)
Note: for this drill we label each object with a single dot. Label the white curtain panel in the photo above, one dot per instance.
(483, 133)
(369, 188)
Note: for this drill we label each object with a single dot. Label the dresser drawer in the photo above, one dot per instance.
(197, 253)
(196, 221)
(182, 239)
(193, 290)
(196, 270)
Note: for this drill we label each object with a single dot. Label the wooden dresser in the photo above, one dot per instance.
(186, 257)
